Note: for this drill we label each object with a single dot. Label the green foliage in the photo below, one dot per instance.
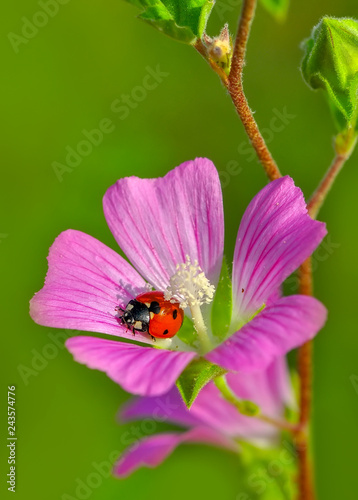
(183, 20)
(222, 304)
(331, 64)
(277, 8)
(195, 376)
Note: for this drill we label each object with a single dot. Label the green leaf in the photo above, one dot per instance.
(183, 20)
(222, 305)
(195, 376)
(331, 63)
(277, 8)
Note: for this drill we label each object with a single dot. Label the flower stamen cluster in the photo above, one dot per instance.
(189, 285)
(191, 288)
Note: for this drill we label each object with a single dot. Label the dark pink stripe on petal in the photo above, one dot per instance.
(157, 222)
(152, 451)
(85, 282)
(140, 370)
(276, 235)
(287, 324)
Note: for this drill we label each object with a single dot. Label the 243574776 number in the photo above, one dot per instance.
(11, 410)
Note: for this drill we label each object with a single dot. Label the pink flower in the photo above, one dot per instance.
(211, 419)
(172, 231)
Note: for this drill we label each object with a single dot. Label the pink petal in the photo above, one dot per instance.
(277, 329)
(209, 409)
(168, 407)
(269, 388)
(275, 236)
(152, 451)
(261, 387)
(157, 222)
(139, 370)
(85, 282)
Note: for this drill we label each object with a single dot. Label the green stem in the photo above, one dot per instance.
(345, 143)
(248, 408)
(319, 196)
(200, 327)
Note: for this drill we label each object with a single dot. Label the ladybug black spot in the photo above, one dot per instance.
(154, 307)
(175, 314)
(165, 332)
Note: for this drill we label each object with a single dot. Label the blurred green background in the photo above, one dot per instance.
(63, 81)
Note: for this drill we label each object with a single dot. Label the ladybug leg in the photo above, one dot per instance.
(132, 329)
(146, 330)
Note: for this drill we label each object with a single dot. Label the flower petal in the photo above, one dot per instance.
(168, 407)
(277, 329)
(276, 235)
(139, 370)
(152, 451)
(85, 282)
(269, 388)
(157, 222)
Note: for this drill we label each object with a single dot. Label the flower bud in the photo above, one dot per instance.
(219, 49)
(331, 63)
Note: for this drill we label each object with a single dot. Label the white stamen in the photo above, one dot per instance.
(191, 288)
(189, 285)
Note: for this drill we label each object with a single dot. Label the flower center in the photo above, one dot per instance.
(189, 285)
(191, 288)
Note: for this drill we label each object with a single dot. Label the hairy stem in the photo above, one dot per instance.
(233, 83)
(235, 88)
(346, 142)
(318, 197)
(305, 471)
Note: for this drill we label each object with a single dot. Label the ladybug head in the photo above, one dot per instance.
(127, 317)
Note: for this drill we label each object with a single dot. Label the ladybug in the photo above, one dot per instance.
(150, 312)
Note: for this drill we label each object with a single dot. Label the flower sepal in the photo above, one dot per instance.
(220, 49)
(195, 377)
(221, 310)
(345, 142)
(331, 63)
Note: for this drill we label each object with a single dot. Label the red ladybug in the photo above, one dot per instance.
(150, 312)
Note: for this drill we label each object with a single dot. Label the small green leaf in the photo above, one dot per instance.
(183, 20)
(195, 376)
(277, 8)
(331, 63)
(222, 305)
